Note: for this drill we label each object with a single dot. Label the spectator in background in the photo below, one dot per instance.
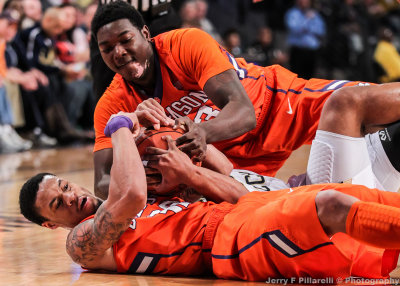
(232, 42)
(36, 53)
(32, 13)
(73, 52)
(205, 24)
(188, 14)
(263, 52)
(387, 56)
(193, 14)
(10, 141)
(306, 30)
(87, 18)
(17, 5)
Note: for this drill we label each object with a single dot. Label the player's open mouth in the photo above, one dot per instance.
(156, 177)
(83, 203)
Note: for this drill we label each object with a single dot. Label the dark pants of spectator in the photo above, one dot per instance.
(80, 104)
(35, 104)
(303, 61)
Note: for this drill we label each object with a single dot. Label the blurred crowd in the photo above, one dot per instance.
(47, 91)
(332, 39)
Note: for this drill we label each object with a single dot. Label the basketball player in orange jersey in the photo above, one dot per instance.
(265, 234)
(256, 115)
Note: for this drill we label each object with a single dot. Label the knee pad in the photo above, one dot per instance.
(335, 158)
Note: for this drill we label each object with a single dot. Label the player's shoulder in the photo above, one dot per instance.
(177, 37)
(182, 32)
(109, 101)
(114, 91)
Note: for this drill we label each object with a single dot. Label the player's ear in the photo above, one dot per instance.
(50, 225)
(146, 32)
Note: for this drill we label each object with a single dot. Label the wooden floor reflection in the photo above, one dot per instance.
(31, 255)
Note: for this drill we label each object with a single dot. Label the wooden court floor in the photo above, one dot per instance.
(32, 255)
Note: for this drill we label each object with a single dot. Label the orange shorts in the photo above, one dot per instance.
(291, 122)
(278, 234)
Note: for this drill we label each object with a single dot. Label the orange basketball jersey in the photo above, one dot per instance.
(287, 108)
(165, 238)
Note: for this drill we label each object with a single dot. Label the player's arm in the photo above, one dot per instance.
(149, 113)
(237, 115)
(216, 161)
(177, 168)
(88, 242)
(102, 166)
(221, 83)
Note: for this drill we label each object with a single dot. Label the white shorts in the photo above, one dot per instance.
(383, 170)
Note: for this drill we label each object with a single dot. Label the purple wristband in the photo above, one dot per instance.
(116, 123)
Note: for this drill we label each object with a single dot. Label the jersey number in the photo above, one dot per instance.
(165, 206)
(205, 113)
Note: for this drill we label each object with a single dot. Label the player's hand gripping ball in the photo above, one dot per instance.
(153, 138)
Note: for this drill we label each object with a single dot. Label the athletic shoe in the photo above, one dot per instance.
(18, 140)
(43, 140)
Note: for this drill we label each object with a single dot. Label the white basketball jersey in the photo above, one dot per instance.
(255, 182)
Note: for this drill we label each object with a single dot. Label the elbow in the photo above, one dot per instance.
(251, 120)
(239, 192)
(243, 191)
(101, 189)
(252, 123)
(99, 192)
(137, 198)
(140, 202)
(227, 168)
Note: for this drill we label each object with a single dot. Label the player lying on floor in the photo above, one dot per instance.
(265, 234)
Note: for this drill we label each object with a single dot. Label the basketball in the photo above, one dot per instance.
(153, 138)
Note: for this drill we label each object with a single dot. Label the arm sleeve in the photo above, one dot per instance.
(199, 55)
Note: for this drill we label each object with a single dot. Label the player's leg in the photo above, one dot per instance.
(369, 260)
(280, 237)
(368, 221)
(338, 153)
(351, 110)
(285, 234)
(373, 162)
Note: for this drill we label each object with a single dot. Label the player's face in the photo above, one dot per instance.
(64, 203)
(127, 50)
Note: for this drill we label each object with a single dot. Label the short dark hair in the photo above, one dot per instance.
(114, 11)
(27, 198)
